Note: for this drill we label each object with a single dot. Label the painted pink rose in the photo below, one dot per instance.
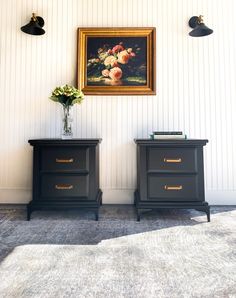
(110, 60)
(115, 73)
(132, 54)
(109, 52)
(117, 48)
(112, 82)
(123, 57)
(105, 72)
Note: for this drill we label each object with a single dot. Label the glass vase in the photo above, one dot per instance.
(67, 120)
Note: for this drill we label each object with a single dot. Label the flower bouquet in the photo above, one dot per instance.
(67, 96)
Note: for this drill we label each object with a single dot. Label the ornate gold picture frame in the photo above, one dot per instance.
(117, 61)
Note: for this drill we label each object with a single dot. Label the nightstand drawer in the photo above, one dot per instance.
(64, 159)
(58, 186)
(173, 188)
(172, 159)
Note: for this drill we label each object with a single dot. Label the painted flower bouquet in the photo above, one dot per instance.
(117, 65)
(67, 96)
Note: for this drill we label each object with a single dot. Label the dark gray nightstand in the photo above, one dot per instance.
(170, 175)
(65, 175)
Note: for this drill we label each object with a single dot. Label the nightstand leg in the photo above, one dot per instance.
(97, 215)
(208, 215)
(28, 213)
(138, 215)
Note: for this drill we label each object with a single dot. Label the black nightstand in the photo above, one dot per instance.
(170, 175)
(65, 175)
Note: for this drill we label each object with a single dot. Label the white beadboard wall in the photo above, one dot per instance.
(196, 89)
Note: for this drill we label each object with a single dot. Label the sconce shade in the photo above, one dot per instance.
(34, 27)
(200, 29)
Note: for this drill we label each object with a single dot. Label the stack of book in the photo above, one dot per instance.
(168, 135)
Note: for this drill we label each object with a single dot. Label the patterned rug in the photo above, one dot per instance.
(68, 254)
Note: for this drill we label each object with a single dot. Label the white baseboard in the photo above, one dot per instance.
(126, 196)
(220, 197)
(118, 196)
(113, 196)
(15, 196)
(23, 196)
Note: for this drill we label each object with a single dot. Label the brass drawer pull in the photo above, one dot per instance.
(63, 186)
(173, 187)
(59, 160)
(175, 160)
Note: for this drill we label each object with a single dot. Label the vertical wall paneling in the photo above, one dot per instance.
(196, 89)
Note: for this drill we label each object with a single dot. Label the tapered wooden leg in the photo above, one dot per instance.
(138, 215)
(207, 210)
(208, 215)
(96, 215)
(28, 213)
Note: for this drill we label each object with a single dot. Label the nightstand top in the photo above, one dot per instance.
(72, 142)
(173, 142)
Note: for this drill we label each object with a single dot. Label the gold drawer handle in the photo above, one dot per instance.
(173, 187)
(63, 186)
(59, 160)
(176, 160)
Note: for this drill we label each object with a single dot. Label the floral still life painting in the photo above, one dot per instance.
(116, 61)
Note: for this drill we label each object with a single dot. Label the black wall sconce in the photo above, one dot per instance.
(199, 28)
(34, 27)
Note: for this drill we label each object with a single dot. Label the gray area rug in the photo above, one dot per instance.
(168, 254)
